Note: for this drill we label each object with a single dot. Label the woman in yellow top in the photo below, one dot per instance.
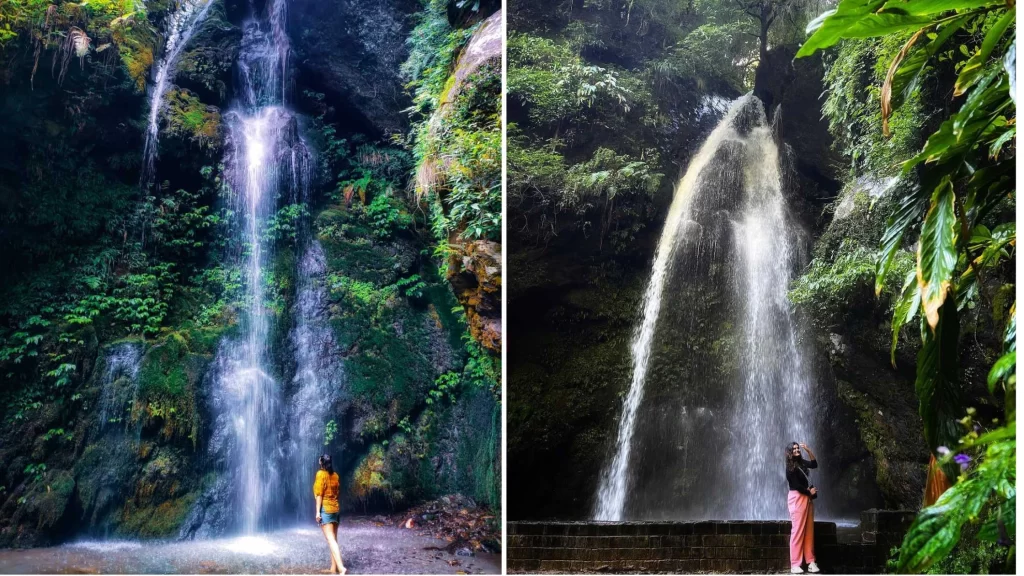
(326, 487)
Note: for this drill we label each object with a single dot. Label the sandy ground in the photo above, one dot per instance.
(366, 548)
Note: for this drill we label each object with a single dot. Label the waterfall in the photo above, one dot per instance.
(122, 361)
(712, 441)
(318, 374)
(181, 26)
(265, 159)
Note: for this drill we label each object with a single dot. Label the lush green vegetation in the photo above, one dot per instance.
(962, 213)
(457, 133)
(605, 95)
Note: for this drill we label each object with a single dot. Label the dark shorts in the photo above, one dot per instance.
(329, 517)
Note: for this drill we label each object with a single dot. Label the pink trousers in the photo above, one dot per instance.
(801, 540)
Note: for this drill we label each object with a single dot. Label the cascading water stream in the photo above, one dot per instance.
(181, 26)
(776, 402)
(122, 361)
(727, 219)
(318, 373)
(266, 159)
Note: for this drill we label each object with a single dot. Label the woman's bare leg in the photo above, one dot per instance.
(332, 540)
(327, 536)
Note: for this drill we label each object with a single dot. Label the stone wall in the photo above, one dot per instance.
(690, 547)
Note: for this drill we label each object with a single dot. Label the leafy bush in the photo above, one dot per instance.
(966, 175)
(386, 216)
(284, 224)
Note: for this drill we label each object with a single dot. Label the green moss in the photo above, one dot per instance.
(853, 82)
(189, 118)
(369, 478)
(350, 247)
(841, 277)
(156, 521)
(167, 380)
(52, 497)
(163, 368)
(205, 340)
(871, 427)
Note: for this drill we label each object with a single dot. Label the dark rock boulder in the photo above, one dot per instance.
(353, 51)
(790, 90)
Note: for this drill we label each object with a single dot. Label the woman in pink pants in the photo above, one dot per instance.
(801, 507)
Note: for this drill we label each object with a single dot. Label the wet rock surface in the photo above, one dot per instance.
(353, 50)
(366, 547)
(477, 284)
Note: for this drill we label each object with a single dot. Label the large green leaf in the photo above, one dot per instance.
(987, 187)
(995, 250)
(1006, 366)
(937, 384)
(1002, 523)
(922, 7)
(906, 309)
(907, 77)
(936, 253)
(991, 89)
(997, 145)
(1007, 432)
(857, 19)
(944, 147)
(907, 213)
(936, 530)
(974, 67)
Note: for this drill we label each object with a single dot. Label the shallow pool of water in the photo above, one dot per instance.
(366, 547)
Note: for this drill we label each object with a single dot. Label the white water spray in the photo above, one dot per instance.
(122, 361)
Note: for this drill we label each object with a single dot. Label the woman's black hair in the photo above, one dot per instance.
(325, 463)
(791, 462)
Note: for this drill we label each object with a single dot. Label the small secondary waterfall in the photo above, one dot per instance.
(318, 374)
(181, 26)
(122, 361)
(710, 445)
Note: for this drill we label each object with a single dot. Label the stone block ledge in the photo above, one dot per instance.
(745, 547)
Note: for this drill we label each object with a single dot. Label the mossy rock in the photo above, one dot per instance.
(349, 246)
(189, 119)
(463, 450)
(369, 479)
(206, 65)
(168, 383)
(103, 473)
(163, 368)
(159, 521)
(51, 498)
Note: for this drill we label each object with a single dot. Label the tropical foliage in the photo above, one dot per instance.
(961, 212)
(605, 96)
(457, 130)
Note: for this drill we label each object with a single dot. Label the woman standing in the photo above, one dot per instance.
(801, 507)
(326, 487)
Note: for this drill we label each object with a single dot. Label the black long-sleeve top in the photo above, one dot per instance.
(798, 479)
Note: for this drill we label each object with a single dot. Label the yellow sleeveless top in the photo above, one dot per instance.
(328, 486)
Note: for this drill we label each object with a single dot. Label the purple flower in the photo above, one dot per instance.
(963, 460)
(943, 451)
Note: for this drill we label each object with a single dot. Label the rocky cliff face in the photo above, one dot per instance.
(353, 51)
(468, 111)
